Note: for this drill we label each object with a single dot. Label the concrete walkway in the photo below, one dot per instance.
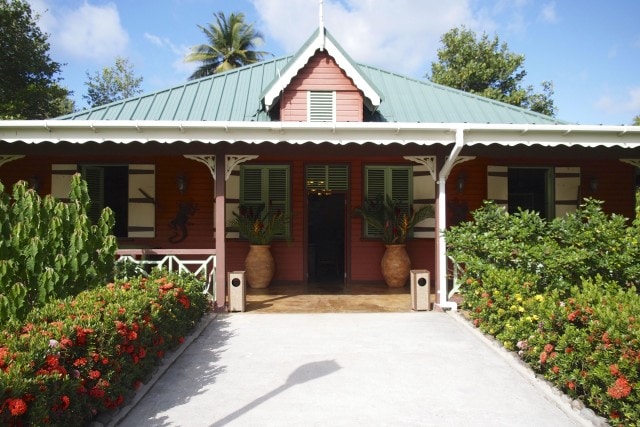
(346, 369)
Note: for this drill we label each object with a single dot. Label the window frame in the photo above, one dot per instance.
(266, 187)
(389, 188)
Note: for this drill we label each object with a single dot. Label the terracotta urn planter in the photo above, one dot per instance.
(396, 266)
(259, 266)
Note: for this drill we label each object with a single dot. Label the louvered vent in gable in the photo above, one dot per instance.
(322, 106)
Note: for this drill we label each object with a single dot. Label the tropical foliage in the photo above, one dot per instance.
(49, 249)
(392, 218)
(76, 357)
(112, 83)
(230, 44)
(29, 86)
(562, 295)
(487, 68)
(260, 224)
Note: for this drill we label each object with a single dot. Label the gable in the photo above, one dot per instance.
(321, 75)
(321, 41)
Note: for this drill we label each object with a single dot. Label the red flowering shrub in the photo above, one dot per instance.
(74, 358)
(561, 294)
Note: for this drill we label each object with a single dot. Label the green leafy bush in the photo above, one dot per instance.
(76, 357)
(560, 252)
(50, 249)
(561, 294)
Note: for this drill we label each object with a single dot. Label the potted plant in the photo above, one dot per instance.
(395, 223)
(259, 224)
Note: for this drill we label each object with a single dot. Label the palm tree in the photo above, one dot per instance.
(231, 43)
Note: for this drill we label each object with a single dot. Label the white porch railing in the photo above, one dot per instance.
(199, 262)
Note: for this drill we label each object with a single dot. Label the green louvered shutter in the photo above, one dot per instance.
(278, 189)
(265, 185)
(392, 181)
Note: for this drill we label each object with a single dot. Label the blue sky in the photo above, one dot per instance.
(590, 49)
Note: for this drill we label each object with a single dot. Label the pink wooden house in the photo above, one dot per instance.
(316, 133)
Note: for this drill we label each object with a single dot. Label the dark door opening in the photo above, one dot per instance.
(326, 232)
(528, 190)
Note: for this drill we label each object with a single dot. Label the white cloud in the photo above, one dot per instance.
(399, 35)
(46, 20)
(89, 31)
(94, 32)
(627, 102)
(178, 52)
(548, 13)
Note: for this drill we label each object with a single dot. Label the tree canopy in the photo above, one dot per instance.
(230, 44)
(486, 67)
(29, 88)
(636, 120)
(112, 83)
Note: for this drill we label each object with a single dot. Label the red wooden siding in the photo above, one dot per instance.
(323, 74)
(199, 193)
(616, 182)
(616, 188)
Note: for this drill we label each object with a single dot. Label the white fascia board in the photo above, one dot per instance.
(323, 43)
(353, 73)
(79, 131)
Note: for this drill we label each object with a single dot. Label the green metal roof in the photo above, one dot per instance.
(236, 95)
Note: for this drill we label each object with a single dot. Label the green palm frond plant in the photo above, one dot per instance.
(260, 223)
(394, 221)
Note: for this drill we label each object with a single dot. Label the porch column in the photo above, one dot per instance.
(220, 223)
(441, 223)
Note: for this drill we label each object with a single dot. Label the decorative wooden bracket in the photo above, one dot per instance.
(208, 160)
(9, 158)
(231, 161)
(428, 161)
(632, 162)
(462, 159)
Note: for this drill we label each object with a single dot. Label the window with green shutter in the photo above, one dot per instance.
(388, 181)
(268, 185)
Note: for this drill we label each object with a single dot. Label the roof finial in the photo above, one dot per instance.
(321, 22)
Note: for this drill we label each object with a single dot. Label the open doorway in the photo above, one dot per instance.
(529, 190)
(326, 231)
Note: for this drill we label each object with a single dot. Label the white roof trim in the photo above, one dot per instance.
(124, 132)
(321, 42)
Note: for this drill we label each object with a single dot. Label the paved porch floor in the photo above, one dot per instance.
(344, 369)
(329, 298)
